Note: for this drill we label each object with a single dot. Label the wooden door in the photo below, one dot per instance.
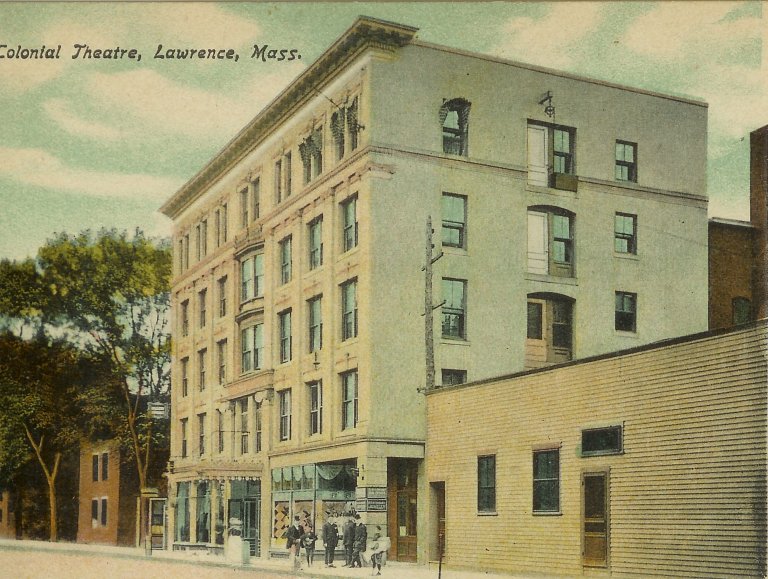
(595, 537)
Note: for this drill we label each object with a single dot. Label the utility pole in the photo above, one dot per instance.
(429, 307)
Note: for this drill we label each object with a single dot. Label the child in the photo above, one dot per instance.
(308, 540)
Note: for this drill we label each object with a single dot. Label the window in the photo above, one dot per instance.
(549, 329)
(257, 426)
(285, 336)
(256, 197)
(315, 407)
(184, 437)
(244, 207)
(349, 223)
(202, 300)
(104, 466)
(184, 376)
(454, 118)
(353, 128)
(625, 233)
(224, 221)
(349, 310)
(181, 255)
(338, 130)
(204, 237)
(453, 377)
(285, 260)
(95, 467)
(222, 296)
(551, 159)
(252, 277)
(742, 311)
(198, 243)
(311, 152)
(626, 161)
(220, 431)
(316, 243)
(454, 308)
(287, 174)
(349, 400)
(285, 414)
(201, 355)
(221, 346)
(596, 441)
(454, 220)
(103, 512)
(278, 181)
(94, 512)
(550, 241)
(546, 481)
(315, 323)
(217, 226)
(186, 251)
(252, 348)
(185, 318)
(626, 312)
(486, 484)
(201, 433)
(242, 409)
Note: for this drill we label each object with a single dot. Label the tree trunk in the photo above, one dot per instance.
(50, 476)
(52, 505)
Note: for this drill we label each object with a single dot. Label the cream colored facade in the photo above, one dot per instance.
(681, 492)
(395, 101)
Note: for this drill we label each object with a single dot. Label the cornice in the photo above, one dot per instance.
(365, 33)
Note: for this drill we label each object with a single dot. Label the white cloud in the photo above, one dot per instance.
(39, 168)
(149, 104)
(58, 110)
(550, 40)
(680, 29)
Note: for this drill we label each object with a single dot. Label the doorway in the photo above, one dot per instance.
(402, 515)
(595, 525)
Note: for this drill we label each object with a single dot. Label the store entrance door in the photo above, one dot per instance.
(402, 515)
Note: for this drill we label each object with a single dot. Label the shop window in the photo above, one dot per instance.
(203, 514)
(181, 531)
(551, 156)
(454, 119)
(626, 312)
(546, 481)
(599, 441)
(550, 241)
(486, 484)
(454, 220)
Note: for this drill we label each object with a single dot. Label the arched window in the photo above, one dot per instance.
(454, 120)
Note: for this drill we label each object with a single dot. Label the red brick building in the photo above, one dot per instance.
(108, 496)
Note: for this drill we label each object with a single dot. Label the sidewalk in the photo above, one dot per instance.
(392, 569)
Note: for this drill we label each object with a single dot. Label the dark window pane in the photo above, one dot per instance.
(534, 320)
(601, 440)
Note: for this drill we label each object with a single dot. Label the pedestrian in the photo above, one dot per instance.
(330, 539)
(379, 548)
(348, 538)
(293, 543)
(361, 542)
(308, 540)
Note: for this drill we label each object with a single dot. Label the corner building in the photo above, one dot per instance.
(568, 211)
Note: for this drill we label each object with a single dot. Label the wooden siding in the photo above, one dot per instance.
(687, 498)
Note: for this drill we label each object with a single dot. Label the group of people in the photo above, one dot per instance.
(354, 538)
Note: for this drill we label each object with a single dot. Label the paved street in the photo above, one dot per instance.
(42, 560)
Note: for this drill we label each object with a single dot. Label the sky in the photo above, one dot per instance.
(91, 143)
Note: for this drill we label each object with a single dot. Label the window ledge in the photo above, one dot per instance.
(552, 279)
(487, 514)
(547, 514)
(453, 250)
(532, 188)
(454, 341)
(629, 256)
(626, 334)
(601, 453)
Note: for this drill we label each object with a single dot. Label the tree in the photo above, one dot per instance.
(39, 409)
(110, 293)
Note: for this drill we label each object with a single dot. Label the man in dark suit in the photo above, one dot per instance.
(330, 539)
(293, 536)
(361, 542)
(348, 537)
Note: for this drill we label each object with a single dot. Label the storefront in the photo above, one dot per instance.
(309, 491)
